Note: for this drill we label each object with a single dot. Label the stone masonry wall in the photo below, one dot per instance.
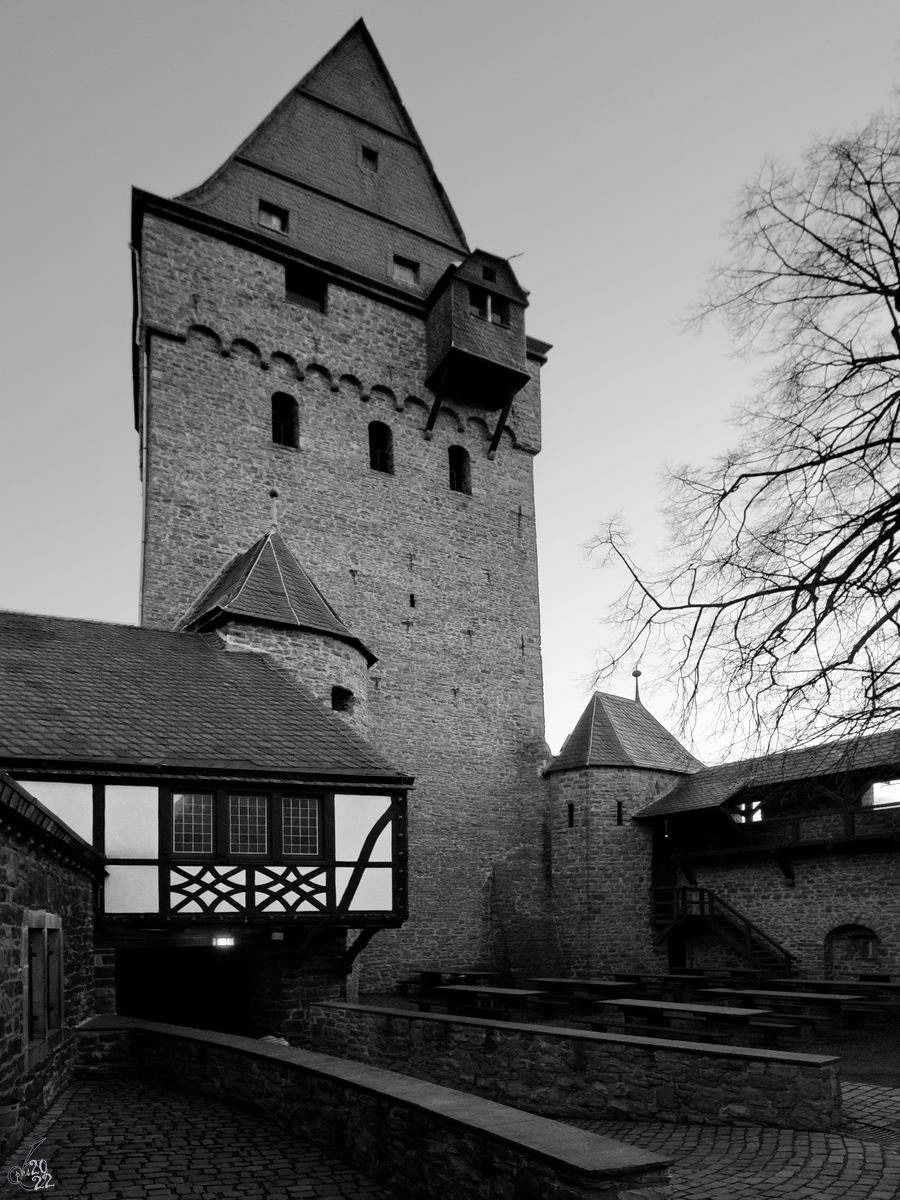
(601, 870)
(828, 891)
(317, 661)
(456, 698)
(33, 882)
(565, 1073)
(416, 1139)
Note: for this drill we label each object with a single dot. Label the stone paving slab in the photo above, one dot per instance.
(133, 1139)
(750, 1162)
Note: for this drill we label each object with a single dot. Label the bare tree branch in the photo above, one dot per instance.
(783, 583)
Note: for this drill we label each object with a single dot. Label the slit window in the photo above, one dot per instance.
(369, 159)
(285, 421)
(381, 448)
(488, 306)
(406, 271)
(270, 216)
(44, 981)
(460, 470)
(305, 287)
(571, 814)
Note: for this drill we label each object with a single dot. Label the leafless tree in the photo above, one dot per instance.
(783, 586)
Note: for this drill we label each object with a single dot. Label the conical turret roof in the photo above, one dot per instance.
(616, 732)
(266, 583)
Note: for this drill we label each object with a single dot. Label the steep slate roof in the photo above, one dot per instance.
(875, 755)
(305, 156)
(266, 583)
(615, 732)
(83, 692)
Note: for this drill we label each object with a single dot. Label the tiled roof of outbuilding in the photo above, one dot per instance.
(877, 754)
(616, 732)
(85, 692)
(266, 583)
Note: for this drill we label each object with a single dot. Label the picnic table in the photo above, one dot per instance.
(434, 976)
(483, 1000)
(862, 988)
(807, 1006)
(575, 987)
(709, 1016)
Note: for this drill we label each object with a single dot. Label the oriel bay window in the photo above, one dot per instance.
(259, 853)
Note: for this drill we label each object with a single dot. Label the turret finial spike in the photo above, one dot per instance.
(636, 673)
(273, 496)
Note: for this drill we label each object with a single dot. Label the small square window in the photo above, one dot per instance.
(369, 159)
(488, 274)
(272, 217)
(406, 271)
(305, 287)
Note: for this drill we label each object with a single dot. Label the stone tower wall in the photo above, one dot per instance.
(440, 585)
(601, 870)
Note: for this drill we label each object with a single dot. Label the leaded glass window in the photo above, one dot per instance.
(192, 823)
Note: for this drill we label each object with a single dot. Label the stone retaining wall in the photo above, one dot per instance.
(568, 1073)
(421, 1140)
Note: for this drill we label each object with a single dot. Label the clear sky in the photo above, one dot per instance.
(605, 142)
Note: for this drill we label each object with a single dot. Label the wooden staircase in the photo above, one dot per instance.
(699, 907)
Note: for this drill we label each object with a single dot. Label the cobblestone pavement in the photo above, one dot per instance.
(131, 1139)
(750, 1162)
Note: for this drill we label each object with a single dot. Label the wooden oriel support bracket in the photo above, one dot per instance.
(501, 423)
(349, 956)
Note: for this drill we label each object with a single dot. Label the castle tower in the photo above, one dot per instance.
(311, 320)
(614, 762)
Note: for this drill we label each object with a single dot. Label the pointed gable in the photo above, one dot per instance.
(267, 584)
(616, 732)
(341, 159)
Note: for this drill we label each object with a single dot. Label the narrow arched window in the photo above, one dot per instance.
(460, 470)
(381, 447)
(285, 431)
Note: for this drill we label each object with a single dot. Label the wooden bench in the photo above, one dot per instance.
(481, 1012)
(772, 1029)
(662, 1031)
(855, 1012)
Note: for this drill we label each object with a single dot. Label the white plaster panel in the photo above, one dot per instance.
(375, 890)
(354, 817)
(131, 890)
(73, 803)
(132, 821)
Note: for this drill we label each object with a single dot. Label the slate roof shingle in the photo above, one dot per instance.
(616, 732)
(78, 691)
(878, 753)
(267, 583)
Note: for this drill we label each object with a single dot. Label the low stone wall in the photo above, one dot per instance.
(568, 1073)
(422, 1140)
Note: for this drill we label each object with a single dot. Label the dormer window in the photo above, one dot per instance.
(270, 216)
(488, 306)
(406, 271)
(368, 159)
